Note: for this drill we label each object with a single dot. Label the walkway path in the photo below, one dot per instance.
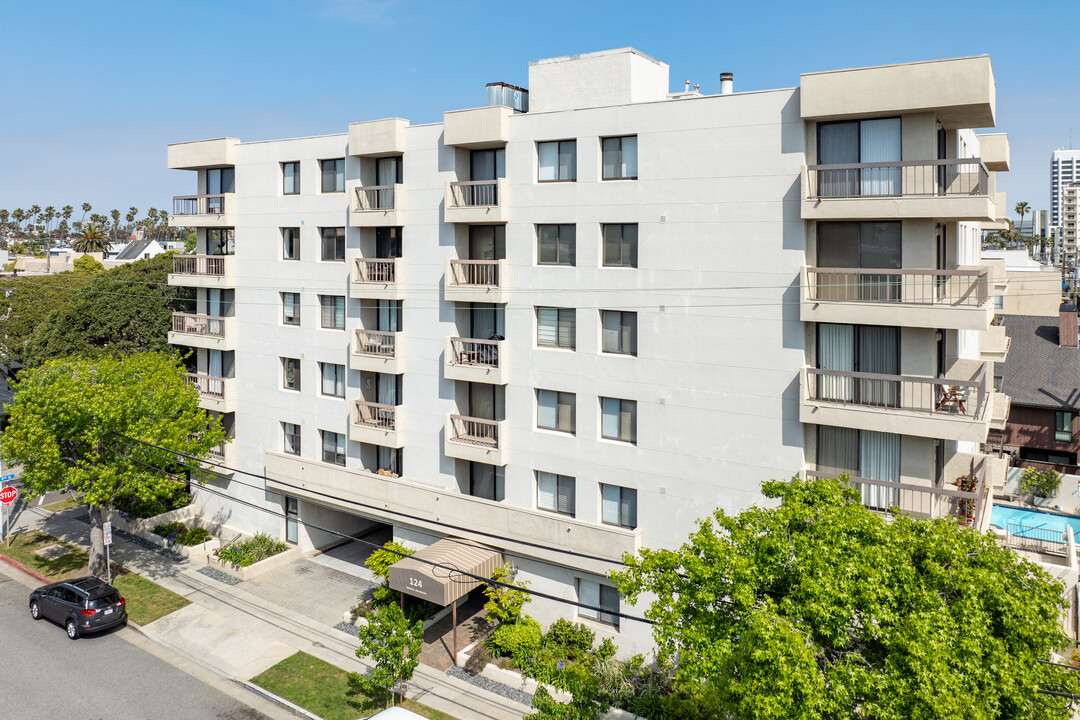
(438, 649)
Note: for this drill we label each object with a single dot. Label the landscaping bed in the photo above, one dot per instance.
(253, 557)
(178, 530)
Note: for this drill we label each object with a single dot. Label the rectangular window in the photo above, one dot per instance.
(290, 178)
(292, 438)
(221, 242)
(290, 243)
(290, 368)
(619, 332)
(556, 410)
(290, 308)
(333, 311)
(333, 244)
(333, 379)
(556, 244)
(620, 245)
(388, 170)
(603, 597)
(618, 419)
(1063, 426)
(220, 181)
(557, 161)
(486, 481)
(555, 493)
(333, 175)
(556, 327)
(618, 506)
(333, 447)
(620, 158)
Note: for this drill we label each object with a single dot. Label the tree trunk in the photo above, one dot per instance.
(97, 543)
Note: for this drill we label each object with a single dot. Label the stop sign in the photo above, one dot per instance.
(8, 495)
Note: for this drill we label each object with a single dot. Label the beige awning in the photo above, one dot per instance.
(443, 583)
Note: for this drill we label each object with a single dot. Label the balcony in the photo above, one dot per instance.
(375, 351)
(375, 138)
(476, 202)
(956, 407)
(994, 344)
(476, 360)
(476, 128)
(378, 206)
(955, 299)
(375, 423)
(203, 271)
(475, 439)
(475, 281)
(202, 331)
(215, 393)
(376, 278)
(954, 189)
(213, 211)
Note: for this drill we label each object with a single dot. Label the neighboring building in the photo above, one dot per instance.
(568, 333)
(1033, 288)
(1068, 224)
(1064, 170)
(139, 250)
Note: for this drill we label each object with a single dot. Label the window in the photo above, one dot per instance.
(333, 311)
(290, 178)
(388, 170)
(290, 308)
(220, 181)
(999, 302)
(862, 141)
(1063, 426)
(290, 243)
(220, 242)
(333, 447)
(597, 595)
(556, 327)
(333, 379)
(333, 175)
(333, 244)
(555, 493)
(292, 438)
(555, 244)
(486, 481)
(618, 332)
(557, 161)
(620, 245)
(619, 158)
(555, 410)
(290, 373)
(618, 505)
(618, 419)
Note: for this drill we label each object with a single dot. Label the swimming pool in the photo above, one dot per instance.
(1000, 516)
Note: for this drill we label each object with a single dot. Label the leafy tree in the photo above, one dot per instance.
(67, 418)
(28, 303)
(1044, 483)
(191, 241)
(393, 644)
(380, 560)
(505, 604)
(4, 217)
(92, 239)
(820, 609)
(87, 265)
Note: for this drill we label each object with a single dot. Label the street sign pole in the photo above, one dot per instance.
(106, 532)
(7, 497)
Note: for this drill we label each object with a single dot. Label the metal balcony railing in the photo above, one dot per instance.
(900, 392)
(213, 265)
(199, 204)
(374, 197)
(968, 507)
(376, 270)
(484, 273)
(904, 286)
(375, 415)
(208, 385)
(191, 324)
(475, 353)
(474, 431)
(476, 193)
(376, 343)
(909, 178)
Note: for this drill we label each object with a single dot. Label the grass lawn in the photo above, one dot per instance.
(62, 505)
(146, 601)
(321, 688)
(24, 545)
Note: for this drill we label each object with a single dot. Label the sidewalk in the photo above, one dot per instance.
(238, 634)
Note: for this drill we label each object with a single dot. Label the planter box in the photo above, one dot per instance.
(142, 528)
(263, 566)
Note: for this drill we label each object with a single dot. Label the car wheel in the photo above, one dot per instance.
(72, 629)
(35, 610)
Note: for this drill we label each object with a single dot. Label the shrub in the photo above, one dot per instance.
(504, 604)
(575, 639)
(136, 507)
(1044, 483)
(379, 562)
(480, 657)
(516, 640)
(251, 551)
(181, 534)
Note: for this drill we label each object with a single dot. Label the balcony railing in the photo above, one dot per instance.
(968, 507)
(900, 392)
(374, 415)
(475, 353)
(216, 453)
(376, 270)
(476, 193)
(374, 197)
(191, 324)
(198, 205)
(914, 287)
(376, 343)
(199, 265)
(909, 178)
(475, 431)
(208, 385)
(484, 273)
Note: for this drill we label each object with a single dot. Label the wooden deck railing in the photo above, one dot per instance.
(374, 415)
(376, 270)
(474, 431)
(904, 286)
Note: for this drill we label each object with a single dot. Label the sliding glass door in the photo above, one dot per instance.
(862, 454)
(859, 142)
(847, 349)
(859, 245)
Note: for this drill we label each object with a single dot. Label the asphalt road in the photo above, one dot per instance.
(98, 677)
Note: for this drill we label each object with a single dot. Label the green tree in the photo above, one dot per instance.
(86, 207)
(393, 644)
(819, 609)
(28, 303)
(68, 419)
(92, 239)
(191, 241)
(65, 215)
(504, 604)
(87, 265)
(4, 217)
(18, 215)
(132, 213)
(115, 215)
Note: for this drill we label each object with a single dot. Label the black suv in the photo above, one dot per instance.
(83, 605)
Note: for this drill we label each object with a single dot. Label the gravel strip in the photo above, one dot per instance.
(491, 686)
(215, 574)
(348, 628)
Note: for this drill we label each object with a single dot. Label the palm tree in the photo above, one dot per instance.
(62, 228)
(4, 215)
(115, 215)
(66, 214)
(1021, 210)
(18, 215)
(34, 212)
(92, 239)
(130, 217)
(49, 215)
(86, 207)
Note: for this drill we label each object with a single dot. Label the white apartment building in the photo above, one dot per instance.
(568, 333)
(1069, 195)
(1064, 169)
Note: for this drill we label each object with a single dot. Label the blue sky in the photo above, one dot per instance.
(94, 91)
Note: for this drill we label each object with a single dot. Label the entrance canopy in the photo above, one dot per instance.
(442, 582)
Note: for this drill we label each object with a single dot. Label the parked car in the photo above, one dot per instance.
(82, 605)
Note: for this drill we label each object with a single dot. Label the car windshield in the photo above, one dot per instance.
(110, 598)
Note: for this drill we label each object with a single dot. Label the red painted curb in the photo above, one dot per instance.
(25, 569)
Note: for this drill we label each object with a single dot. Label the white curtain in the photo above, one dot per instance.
(878, 354)
(629, 157)
(879, 141)
(386, 171)
(549, 161)
(547, 408)
(588, 594)
(836, 351)
(213, 368)
(879, 459)
(387, 389)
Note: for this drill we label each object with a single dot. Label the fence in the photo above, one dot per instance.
(198, 325)
(208, 385)
(374, 415)
(1036, 539)
(382, 270)
(475, 353)
(968, 507)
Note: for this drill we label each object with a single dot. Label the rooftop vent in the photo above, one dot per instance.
(510, 95)
(727, 83)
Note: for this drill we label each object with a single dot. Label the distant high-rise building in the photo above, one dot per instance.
(1064, 169)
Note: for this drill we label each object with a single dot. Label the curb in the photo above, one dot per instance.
(278, 700)
(19, 566)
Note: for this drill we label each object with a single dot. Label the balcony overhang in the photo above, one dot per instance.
(994, 151)
(959, 208)
(374, 138)
(477, 128)
(994, 344)
(199, 154)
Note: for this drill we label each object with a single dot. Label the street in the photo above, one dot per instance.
(98, 676)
